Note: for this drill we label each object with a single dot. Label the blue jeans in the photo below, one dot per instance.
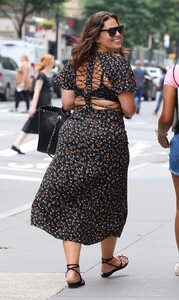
(174, 155)
(137, 95)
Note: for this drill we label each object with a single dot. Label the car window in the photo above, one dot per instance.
(9, 64)
(154, 71)
(5, 63)
(13, 64)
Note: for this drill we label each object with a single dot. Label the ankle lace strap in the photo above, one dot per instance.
(72, 266)
(106, 260)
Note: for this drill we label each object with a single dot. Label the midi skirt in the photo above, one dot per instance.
(83, 194)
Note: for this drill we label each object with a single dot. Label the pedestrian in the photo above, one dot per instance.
(42, 96)
(166, 121)
(139, 74)
(83, 196)
(160, 88)
(23, 84)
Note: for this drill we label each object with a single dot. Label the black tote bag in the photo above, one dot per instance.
(51, 119)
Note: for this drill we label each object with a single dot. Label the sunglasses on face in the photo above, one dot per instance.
(112, 31)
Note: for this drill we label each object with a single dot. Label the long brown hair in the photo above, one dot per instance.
(86, 46)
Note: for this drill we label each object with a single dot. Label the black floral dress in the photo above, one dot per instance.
(83, 194)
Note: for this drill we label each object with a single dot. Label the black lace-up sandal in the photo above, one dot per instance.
(122, 265)
(79, 283)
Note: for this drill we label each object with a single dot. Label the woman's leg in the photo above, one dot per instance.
(108, 246)
(107, 251)
(72, 252)
(176, 185)
(21, 137)
(26, 95)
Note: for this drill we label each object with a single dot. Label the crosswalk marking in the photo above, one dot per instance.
(27, 147)
(20, 178)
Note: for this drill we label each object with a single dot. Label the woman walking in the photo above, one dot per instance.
(42, 96)
(83, 196)
(166, 121)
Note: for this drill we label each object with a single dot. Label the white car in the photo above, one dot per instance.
(155, 73)
(8, 70)
(150, 87)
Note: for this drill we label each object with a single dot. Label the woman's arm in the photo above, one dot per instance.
(166, 118)
(37, 89)
(68, 99)
(127, 102)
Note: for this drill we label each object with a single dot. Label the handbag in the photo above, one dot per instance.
(175, 125)
(51, 119)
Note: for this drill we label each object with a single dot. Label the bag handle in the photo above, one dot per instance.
(59, 117)
(51, 138)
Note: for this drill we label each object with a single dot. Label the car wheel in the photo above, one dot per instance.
(6, 95)
(146, 96)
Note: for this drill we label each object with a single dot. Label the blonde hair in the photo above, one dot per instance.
(45, 61)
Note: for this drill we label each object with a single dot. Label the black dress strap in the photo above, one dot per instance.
(88, 90)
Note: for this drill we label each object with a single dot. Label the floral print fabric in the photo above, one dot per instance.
(116, 77)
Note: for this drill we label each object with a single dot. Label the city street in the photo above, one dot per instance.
(32, 263)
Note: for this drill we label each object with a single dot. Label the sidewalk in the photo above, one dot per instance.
(148, 240)
(33, 266)
(32, 263)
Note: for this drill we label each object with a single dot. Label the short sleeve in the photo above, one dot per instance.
(121, 75)
(169, 79)
(41, 76)
(66, 78)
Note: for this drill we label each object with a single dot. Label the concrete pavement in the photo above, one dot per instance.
(32, 263)
(148, 240)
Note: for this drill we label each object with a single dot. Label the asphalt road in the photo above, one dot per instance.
(32, 263)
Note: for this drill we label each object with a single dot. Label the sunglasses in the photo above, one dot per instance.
(112, 31)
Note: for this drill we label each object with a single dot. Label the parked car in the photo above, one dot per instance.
(8, 70)
(150, 88)
(153, 75)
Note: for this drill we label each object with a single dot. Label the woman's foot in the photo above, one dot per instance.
(17, 150)
(13, 110)
(73, 277)
(113, 264)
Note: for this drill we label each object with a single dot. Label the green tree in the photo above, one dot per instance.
(142, 18)
(18, 10)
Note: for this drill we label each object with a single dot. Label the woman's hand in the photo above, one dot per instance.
(163, 141)
(31, 111)
(22, 85)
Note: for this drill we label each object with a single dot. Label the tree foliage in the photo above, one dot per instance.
(142, 18)
(19, 10)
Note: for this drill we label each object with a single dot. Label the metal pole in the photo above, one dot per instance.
(57, 25)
